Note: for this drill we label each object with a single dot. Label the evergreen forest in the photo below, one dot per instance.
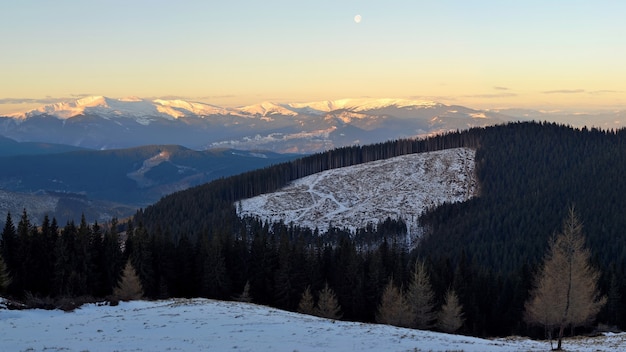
(487, 250)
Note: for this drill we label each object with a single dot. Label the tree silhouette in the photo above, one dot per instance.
(5, 278)
(565, 292)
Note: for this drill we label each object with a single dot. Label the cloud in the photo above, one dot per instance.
(433, 97)
(491, 96)
(47, 100)
(500, 88)
(169, 97)
(218, 96)
(564, 91)
(604, 91)
(43, 101)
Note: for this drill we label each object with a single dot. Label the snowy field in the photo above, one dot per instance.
(208, 325)
(353, 196)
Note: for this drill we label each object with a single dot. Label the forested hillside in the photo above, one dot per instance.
(530, 175)
(102, 184)
(487, 249)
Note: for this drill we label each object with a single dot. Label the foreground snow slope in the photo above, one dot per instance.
(208, 325)
(400, 187)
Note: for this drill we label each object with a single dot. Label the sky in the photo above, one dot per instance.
(549, 55)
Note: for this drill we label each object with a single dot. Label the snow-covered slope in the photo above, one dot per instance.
(208, 325)
(351, 197)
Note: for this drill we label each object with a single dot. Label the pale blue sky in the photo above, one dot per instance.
(484, 54)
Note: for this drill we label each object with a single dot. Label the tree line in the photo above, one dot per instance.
(273, 264)
(282, 266)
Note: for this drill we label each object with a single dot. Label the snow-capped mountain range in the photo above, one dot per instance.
(137, 107)
(129, 106)
(105, 123)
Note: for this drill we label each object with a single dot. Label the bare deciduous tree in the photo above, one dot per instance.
(327, 304)
(307, 304)
(565, 292)
(421, 298)
(393, 308)
(245, 294)
(129, 287)
(450, 318)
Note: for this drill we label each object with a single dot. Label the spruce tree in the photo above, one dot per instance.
(111, 259)
(9, 245)
(5, 278)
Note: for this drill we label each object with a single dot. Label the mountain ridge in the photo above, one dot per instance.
(176, 108)
(111, 183)
(99, 122)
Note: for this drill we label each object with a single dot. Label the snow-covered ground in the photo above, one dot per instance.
(208, 325)
(353, 196)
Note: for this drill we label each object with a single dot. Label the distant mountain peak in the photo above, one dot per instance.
(268, 108)
(130, 99)
(64, 110)
(90, 101)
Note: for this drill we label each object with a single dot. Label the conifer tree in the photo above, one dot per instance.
(5, 278)
(307, 303)
(111, 260)
(82, 268)
(63, 263)
(9, 240)
(129, 287)
(327, 304)
(450, 318)
(420, 298)
(140, 254)
(22, 259)
(393, 308)
(214, 279)
(565, 293)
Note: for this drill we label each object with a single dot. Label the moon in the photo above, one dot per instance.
(357, 18)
